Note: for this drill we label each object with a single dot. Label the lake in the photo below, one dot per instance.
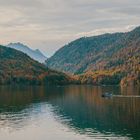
(69, 113)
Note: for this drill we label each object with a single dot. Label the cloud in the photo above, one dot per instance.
(49, 24)
(106, 30)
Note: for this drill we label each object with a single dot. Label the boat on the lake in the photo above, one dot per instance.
(107, 95)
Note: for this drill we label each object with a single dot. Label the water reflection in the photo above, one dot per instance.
(80, 108)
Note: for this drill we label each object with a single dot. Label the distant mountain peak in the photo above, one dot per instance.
(35, 54)
(38, 51)
(18, 44)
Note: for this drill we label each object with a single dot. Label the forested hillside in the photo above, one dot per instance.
(18, 68)
(105, 59)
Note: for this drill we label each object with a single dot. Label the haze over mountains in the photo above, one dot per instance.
(104, 59)
(35, 54)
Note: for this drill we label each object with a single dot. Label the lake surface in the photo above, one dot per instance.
(68, 113)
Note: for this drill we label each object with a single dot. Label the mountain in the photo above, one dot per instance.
(35, 54)
(18, 68)
(104, 59)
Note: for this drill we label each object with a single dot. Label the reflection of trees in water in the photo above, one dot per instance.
(131, 90)
(15, 120)
(19, 104)
(83, 105)
(16, 105)
(87, 109)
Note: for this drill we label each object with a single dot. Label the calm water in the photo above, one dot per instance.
(68, 113)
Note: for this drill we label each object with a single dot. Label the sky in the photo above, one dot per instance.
(50, 24)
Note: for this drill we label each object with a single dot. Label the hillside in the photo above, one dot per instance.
(103, 59)
(34, 54)
(18, 68)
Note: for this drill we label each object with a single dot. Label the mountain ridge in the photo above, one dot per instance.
(101, 59)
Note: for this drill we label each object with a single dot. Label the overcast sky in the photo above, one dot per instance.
(49, 24)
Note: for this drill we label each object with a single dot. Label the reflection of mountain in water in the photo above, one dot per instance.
(87, 109)
(84, 107)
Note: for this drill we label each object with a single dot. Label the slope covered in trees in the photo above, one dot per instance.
(17, 67)
(105, 59)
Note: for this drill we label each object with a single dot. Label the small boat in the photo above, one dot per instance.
(107, 95)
